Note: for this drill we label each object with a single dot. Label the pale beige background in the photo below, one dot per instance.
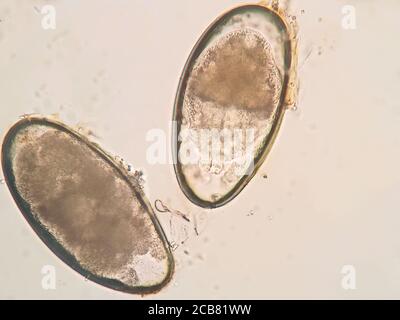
(333, 187)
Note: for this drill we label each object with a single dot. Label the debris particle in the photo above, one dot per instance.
(161, 207)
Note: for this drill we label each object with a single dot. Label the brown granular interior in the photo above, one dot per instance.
(84, 202)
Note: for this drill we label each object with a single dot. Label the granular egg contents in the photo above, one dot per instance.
(234, 86)
(239, 72)
(84, 208)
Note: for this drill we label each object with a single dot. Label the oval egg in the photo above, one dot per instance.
(85, 207)
(235, 87)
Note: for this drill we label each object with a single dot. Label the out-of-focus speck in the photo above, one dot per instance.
(270, 218)
(302, 11)
(47, 62)
(216, 287)
(186, 252)
(98, 77)
(320, 19)
(312, 127)
(200, 257)
(47, 104)
(25, 253)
